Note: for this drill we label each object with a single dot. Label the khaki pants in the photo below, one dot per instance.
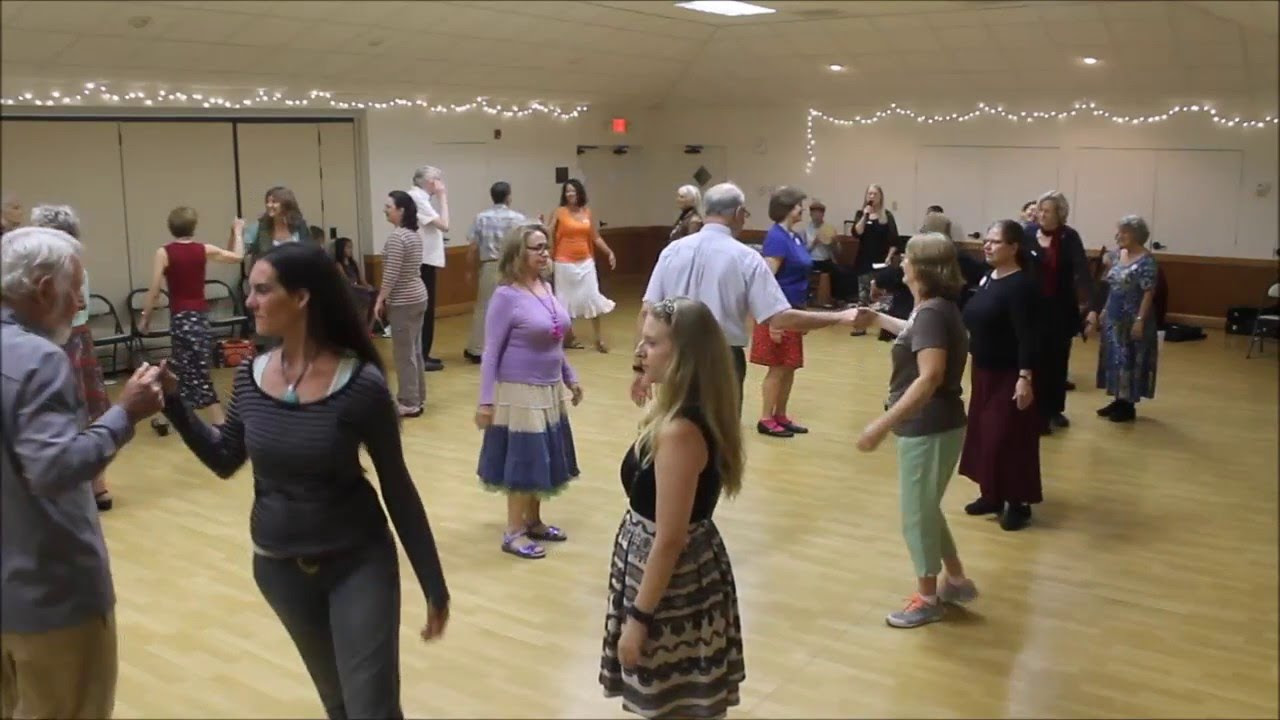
(488, 282)
(406, 350)
(67, 674)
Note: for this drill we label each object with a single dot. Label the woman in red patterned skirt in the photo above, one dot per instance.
(90, 386)
(782, 351)
(1002, 445)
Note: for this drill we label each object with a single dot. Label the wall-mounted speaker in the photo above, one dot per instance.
(562, 174)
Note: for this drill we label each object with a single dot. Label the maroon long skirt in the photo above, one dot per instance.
(1002, 443)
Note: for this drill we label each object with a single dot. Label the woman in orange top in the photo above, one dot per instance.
(573, 232)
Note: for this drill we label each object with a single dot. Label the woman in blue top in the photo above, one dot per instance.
(782, 351)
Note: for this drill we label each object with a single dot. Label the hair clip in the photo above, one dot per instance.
(666, 307)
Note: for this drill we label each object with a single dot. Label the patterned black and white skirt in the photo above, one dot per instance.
(693, 664)
(192, 358)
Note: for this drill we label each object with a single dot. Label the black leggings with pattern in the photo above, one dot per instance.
(192, 353)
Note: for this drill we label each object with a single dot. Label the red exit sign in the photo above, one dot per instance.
(619, 126)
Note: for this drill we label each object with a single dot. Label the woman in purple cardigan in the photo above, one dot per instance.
(527, 451)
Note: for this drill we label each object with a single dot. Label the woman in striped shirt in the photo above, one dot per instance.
(324, 558)
(402, 301)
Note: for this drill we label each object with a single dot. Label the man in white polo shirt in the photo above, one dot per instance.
(730, 278)
(428, 182)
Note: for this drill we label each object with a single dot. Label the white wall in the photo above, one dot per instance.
(1193, 180)
(463, 146)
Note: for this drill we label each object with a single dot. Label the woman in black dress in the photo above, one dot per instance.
(1002, 445)
(877, 235)
(1061, 270)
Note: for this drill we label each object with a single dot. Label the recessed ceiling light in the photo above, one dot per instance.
(1089, 60)
(835, 67)
(732, 8)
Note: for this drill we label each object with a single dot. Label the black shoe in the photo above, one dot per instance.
(984, 506)
(471, 357)
(1124, 413)
(432, 365)
(1015, 517)
(104, 501)
(1060, 421)
(1108, 410)
(1070, 386)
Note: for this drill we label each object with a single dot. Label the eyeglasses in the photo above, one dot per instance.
(541, 248)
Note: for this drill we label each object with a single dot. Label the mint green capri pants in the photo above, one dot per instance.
(925, 466)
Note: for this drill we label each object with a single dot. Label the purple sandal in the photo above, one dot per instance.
(548, 533)
(532, 551)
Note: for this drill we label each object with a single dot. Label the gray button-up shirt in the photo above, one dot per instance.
(54, 571)
(489, 228)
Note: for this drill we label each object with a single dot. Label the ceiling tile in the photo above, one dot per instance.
(72, 16)
(1212, 55)
(961, 36)
(91, 51)
(1137, 11)
(31, 46)
(1085, 32)
(266, 31)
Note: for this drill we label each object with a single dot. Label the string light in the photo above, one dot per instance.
(101, 94)
(1077, 108)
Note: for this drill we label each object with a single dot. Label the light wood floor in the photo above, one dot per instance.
(1145, 588)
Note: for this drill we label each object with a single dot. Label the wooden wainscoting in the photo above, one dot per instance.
(455, 283)
(1201, 288)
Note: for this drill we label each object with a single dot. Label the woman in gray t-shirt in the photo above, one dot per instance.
(925, 411)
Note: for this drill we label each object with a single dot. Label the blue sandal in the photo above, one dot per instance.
(532, 551)
(548, 533)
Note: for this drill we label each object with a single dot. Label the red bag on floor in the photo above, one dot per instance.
(235, 352)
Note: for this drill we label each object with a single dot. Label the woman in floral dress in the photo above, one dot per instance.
(1129, 344)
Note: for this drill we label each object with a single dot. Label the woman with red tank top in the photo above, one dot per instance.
(181, 264)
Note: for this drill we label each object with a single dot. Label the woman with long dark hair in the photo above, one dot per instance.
(324, 557)
(1002, 443)
(281, 221)
(402, 301)
(344, 257)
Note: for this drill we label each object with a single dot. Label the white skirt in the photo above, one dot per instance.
(578, 290)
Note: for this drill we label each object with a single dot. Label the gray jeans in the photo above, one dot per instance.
(343, 613)
(488, 281)
(406, 349)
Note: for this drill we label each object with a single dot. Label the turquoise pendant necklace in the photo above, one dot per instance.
(291, 388)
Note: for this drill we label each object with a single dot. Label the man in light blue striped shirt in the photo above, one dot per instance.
(485, 236)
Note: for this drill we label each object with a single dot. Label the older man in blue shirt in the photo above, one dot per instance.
(57, 631)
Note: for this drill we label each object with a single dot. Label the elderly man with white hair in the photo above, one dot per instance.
(57, 632)
(730, 278)
(428, 183)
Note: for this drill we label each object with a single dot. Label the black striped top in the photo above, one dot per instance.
(310, 494)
